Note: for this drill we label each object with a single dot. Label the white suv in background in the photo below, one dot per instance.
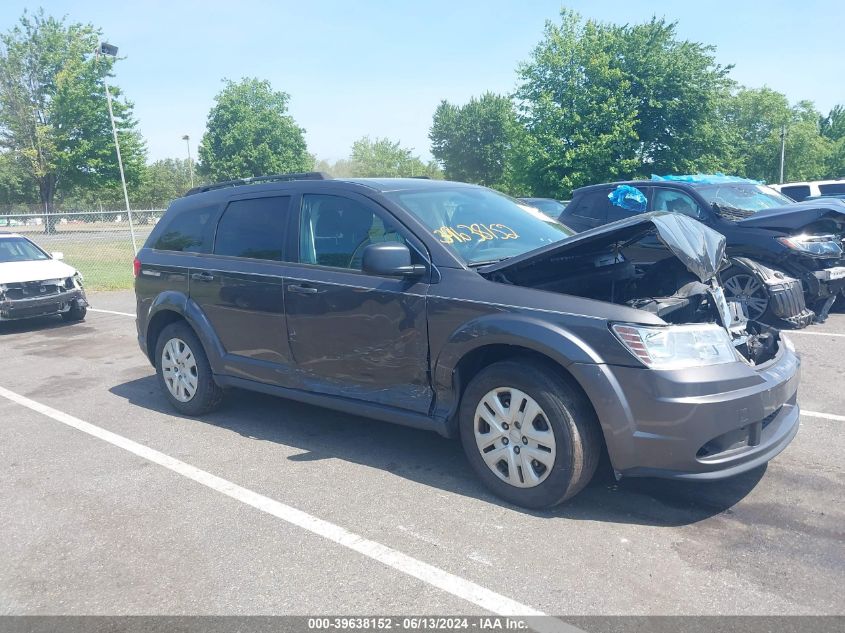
(799, 191)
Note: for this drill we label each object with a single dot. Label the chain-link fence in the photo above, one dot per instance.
(98, 244)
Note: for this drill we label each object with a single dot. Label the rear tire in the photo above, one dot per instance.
(537, 462)
(184, 373)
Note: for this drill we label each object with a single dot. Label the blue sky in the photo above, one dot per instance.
(379, 68)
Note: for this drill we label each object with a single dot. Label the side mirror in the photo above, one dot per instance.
(57, 255)
(390, 259)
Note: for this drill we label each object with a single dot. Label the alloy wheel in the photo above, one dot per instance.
(748, 290)
(514, 437)
(179, 369)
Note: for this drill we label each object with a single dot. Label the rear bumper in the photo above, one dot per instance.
(704, 423)
(14, 309)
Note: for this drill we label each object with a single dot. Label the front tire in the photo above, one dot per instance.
(741, 285)
(184, 373)
(532, 438)
(76, 313)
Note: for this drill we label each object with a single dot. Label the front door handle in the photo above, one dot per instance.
(202, 277)
(302, 290)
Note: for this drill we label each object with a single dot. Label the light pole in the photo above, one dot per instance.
(782, 150)
(187, 140)
(111, 51)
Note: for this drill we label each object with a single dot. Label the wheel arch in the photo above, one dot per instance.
(172, 307)
(487, 340)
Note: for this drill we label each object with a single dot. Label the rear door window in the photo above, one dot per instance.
(594, 206)
(189, 231)
(253, 228)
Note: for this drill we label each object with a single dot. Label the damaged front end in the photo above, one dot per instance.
(663, 263)
(31, 299)
(810, 236)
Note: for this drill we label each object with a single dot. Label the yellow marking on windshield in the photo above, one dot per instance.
(463, 233)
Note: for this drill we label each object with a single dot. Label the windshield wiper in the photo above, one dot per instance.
(486, 263)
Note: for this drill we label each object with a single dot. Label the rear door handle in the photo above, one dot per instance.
(202, 277)
(302, 290)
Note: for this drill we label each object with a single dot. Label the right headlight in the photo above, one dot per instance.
(821, 245)
(677, 346)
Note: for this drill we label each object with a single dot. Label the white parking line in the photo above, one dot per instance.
(826, 416)
(129, 314)
(434, 576)
(791, 332)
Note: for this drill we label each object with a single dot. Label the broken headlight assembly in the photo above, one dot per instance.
(677, 346)
(73, 282)
(820, 245)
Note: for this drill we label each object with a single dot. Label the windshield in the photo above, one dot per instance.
(481, 225)
(745, 196)
(551, 208)
(19, 249)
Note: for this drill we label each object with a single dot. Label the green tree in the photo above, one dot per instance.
(340, 168)
(53, 112)
(16, 187)
(387, 159)
(574, 104)
(163, 181)
(249, 133)
(833, 128)
(476, 142)
(758, 117)
(603, 101)
(678, 91)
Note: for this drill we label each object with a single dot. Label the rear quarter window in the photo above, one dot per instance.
(797, 193)
(593, 205)
(189, 231)
(833, 188)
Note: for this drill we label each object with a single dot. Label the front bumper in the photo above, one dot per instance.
(829, 281)
(702, 423)
(31, 307)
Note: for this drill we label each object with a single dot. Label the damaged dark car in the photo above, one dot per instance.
(787, 265)
(450, 307)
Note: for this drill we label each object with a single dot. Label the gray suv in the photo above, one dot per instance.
(450, 307)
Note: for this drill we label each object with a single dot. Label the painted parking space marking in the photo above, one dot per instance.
(826, 416)
(455, 585)
(791, 332)
(129, 314)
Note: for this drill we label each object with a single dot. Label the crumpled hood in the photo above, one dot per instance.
(796, 216)
(699, 248)
(17, 272)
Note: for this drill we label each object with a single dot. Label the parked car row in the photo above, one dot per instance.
(786, 258)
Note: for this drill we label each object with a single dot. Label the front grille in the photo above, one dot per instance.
(32, 290)
(25, 313)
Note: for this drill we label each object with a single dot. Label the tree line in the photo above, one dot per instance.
(594, 102)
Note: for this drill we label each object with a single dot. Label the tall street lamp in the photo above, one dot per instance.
(187, 140)
(111, 51)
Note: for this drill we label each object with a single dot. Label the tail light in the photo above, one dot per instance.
(136, 267)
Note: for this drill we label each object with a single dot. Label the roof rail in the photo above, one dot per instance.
(307, 175)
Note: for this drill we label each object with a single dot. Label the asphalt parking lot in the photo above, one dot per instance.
(317, 512)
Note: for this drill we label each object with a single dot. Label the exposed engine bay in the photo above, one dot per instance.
(670, 269)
